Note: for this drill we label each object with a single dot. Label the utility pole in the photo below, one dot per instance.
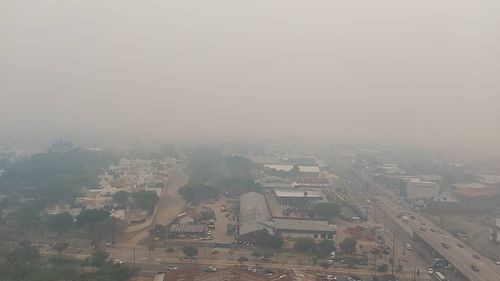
(134, 257)
(393, 252)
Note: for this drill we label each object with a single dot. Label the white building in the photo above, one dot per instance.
(419, 189)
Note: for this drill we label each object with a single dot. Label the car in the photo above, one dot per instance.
(430, 271)
(476, 256)
(446, 237)
(474, 267)
(460, 245)
(291, 254)
(210, 269)
(497, 263)
(432, 229)
(409, 247)
(405, 259)
(118, 262)
(172, 267)
(269, 271)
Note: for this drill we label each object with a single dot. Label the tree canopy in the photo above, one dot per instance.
(325, 211)
(348, 245)
(91, 216)
(55, 176)
(60, 222)
(146, 200)
(305, 245)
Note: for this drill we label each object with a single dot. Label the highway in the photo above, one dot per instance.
(460, 258)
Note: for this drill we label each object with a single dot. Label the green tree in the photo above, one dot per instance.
(106, 229)
(61, 246)
(60, 222)
(382, 268)
(190, 251)
(98, 259)
(27, 216)
(348, 245)
(325, 247)
(158, 230)
(325, 211)
(305, 245)
(145, 200)
(121, 198)
(266, 240)
(91, 216)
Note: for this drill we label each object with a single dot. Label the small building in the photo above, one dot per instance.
(275, 182)
(418, 189)
(298, 197)
(192, 230)
(297, 228)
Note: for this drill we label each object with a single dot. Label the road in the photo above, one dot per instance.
(170, 205)
(460, 258)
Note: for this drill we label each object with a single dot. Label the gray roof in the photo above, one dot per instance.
(254, 214)
(297, 193)
(303, 225)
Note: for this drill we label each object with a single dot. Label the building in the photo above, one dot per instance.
(295, 228)
(311, 182)
(275, 182)
(254, 215)
(191, 230)
(418, 189)
(298, 197)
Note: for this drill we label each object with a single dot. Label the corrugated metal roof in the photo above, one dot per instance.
(254, 214)
(304, 225)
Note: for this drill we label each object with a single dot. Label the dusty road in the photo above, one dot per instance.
(171, 204)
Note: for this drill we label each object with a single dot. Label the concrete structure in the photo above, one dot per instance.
(418, 189)
(255, 216)
(187, 230)
(275, 182)
(296, 228)
(298, 197)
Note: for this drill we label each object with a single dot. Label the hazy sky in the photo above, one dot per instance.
(414, 71)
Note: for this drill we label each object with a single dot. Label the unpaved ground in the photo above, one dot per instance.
(171, 204)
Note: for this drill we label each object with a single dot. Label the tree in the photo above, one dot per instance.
(382, 268)
(60, 222)
(403, 188)
(196, 193)
(325, 247)
(325, 211)
(158, 230)
(264, 239)
(121, 198)
(190, 251)
(348, 245)
(242, 259)
(105, 230)
(61, 246)
(27, 216)
(98, 259)
(146, 200)
(305, 245)
(90, 216)
(256, 254)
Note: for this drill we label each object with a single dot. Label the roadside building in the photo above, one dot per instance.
(185, 230)
(298, 197)
(418, 189)
(275, 182)
(296, 228)
(254, 215)
(313, 183)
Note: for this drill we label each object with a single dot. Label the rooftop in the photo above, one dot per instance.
(299, 224)
(254, 214)
(297, 193)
